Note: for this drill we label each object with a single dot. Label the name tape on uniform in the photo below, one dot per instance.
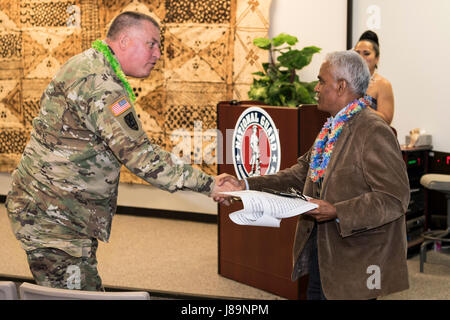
(120, 106)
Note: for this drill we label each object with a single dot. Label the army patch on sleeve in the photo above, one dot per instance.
(131, 122)
(120, 106)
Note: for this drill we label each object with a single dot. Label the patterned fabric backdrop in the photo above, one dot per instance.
(207, 57)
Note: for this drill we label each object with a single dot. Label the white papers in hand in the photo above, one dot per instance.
(266, 209)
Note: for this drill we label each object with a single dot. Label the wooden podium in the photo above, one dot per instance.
(262, 256)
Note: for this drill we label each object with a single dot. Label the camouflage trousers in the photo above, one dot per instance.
(55, 268)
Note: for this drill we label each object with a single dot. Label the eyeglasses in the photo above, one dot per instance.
(298, 193)
(292, 193)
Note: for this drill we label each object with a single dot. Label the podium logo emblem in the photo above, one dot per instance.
(256, 144)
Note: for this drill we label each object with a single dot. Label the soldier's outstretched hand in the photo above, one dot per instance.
(226, 182)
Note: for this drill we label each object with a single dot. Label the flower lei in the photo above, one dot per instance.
(102, 47)
(325, 141)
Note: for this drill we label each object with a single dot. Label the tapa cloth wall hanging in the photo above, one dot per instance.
(207, 56)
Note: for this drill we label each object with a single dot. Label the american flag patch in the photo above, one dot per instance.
(120, 106)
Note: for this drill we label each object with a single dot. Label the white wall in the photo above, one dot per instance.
(415, 51)
(320, 23)
(415, 56)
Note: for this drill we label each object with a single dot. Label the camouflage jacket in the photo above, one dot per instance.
(64, 190)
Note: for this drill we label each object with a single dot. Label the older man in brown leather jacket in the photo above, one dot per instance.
(354, 244)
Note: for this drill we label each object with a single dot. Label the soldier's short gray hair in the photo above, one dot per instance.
(128, 19)
(349, 66)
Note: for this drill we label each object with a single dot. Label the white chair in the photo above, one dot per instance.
(28, 291)
(8, 290)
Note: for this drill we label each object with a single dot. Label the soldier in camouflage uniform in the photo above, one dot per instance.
(64, 190)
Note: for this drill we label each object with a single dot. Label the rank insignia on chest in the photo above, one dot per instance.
(120, 106)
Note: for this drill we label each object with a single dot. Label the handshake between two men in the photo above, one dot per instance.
(226, 182)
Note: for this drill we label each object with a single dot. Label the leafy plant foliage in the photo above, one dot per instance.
(279, 84)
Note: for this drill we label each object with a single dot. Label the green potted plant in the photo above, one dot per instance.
(279, 84)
